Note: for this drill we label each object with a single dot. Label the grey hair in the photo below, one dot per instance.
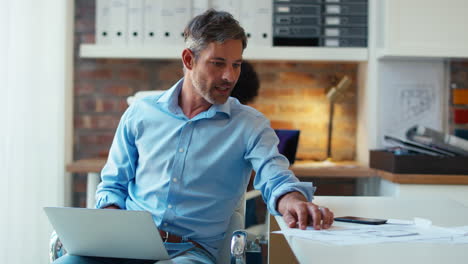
(212, 26)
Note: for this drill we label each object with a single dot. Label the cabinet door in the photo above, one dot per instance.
(428, 28)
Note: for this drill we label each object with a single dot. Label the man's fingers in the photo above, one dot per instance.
(302, 214)
(290, 220)
(316, 216)
(327, 217)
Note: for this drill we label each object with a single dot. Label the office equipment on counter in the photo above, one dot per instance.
(408, 145)
(432, 137)
(288, 141)
(411, 163)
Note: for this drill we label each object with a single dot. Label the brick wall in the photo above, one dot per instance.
(292, 96)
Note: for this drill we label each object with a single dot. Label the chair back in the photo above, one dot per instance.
(237, 222)
(141, 94)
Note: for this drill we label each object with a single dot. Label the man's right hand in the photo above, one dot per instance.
(112, 207)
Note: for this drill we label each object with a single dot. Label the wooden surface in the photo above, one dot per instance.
(423, 178)
(86, 165)
(279, 251)
(300, 168)
(341, 169)
(304, 169)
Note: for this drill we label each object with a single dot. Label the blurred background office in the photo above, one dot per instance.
(60, 105)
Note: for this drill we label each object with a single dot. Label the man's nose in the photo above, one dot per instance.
(229, 74)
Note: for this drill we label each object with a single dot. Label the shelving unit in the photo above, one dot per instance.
(439, 53)
(251, 53)
(410, 35)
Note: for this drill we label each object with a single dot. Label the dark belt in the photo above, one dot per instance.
(171, 238)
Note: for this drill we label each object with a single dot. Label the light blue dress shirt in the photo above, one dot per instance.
(191, 173)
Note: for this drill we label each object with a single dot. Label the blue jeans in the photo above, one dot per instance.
(194, 256)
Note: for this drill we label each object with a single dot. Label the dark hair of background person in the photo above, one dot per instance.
(247, 86)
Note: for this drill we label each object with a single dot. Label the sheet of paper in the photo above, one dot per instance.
(355, 234)
(411, 92)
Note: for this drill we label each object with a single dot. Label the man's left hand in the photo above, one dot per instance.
(298, 212)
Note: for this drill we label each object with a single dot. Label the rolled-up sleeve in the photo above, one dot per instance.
(273, 177)
(120, 166)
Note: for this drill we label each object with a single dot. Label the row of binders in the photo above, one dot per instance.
(162, 22)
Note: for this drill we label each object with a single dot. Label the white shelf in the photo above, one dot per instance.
(426, 54)
(251, 53)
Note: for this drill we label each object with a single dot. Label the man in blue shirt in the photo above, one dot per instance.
(185, 156)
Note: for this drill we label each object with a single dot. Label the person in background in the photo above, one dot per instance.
(248, 84)
(186, 156)
(246, 90)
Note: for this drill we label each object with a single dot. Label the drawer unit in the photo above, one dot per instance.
(345, 9)
(345, 1)
(298, 1)
(297, 31)
(297, 20)
(347, 32)
(343, 42)
(298, 9)
(357, 21)
(329, 23)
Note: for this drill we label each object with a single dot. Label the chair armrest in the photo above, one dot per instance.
(243, 242)
(56, 249)
(252, 194)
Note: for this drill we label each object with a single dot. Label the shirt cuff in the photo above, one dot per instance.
(306, 188)
(110, 199)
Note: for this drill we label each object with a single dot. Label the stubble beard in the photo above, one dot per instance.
(206, 92)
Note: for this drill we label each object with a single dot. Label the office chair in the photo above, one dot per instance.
(238, 241)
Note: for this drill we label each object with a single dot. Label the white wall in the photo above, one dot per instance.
(35, 123)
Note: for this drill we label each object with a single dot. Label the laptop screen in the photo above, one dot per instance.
(288, 141)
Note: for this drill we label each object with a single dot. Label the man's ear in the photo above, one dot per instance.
(188, 58)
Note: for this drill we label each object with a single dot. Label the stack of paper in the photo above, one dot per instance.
(356, 234)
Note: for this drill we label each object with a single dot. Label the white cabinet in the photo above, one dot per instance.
(423, 28)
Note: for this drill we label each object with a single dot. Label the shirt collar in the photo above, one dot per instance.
(170, 99)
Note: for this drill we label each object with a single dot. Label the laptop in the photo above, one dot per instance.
(107, 233)
(288, 141)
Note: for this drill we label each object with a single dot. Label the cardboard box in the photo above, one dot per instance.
(417, 163)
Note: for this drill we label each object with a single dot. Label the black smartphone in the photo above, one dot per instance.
(361, 220)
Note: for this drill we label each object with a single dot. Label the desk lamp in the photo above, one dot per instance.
(335, 94)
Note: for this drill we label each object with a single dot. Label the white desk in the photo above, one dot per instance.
(441, 212)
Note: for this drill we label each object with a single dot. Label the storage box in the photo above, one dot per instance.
(417, 163)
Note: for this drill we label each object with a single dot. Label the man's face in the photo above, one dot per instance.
(215, 72)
